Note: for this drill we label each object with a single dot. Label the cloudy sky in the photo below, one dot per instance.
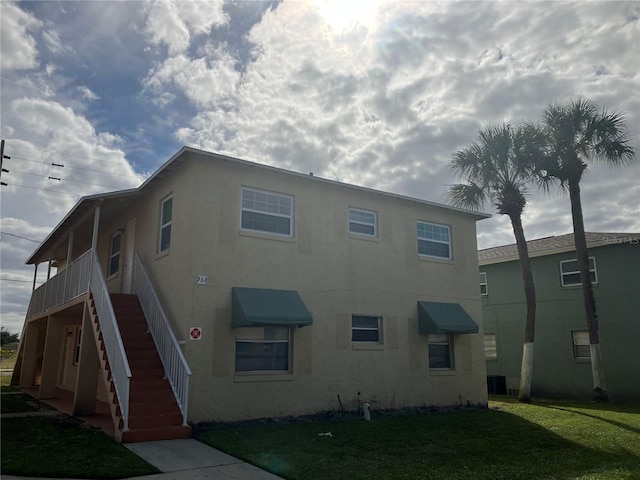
(374, 93)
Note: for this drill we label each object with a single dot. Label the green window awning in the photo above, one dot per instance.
(255, 307)
(440, 317)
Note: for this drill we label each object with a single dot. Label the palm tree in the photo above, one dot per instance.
(498, 167)
(580, 132)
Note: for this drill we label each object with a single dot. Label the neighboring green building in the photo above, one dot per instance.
(562, 359)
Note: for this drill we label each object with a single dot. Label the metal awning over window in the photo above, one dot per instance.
(440, 317)
(256, 307)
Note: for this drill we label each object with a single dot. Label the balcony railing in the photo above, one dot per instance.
(175, 365)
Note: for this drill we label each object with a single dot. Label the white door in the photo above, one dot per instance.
(129, 252)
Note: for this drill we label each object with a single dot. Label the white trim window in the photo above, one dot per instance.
(114, 254)
(263, 349)
(484, 290)
(363, 222)
(166, 218)
(440, 351)
(581, 344)
(570, 274)
(434, 240)
(266, 212)
(366, 328)
(490, 347)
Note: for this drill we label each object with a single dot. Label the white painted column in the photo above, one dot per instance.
(69, 248)
(96, 224)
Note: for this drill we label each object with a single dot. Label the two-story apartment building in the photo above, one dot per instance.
(267, 293)
(562, 365)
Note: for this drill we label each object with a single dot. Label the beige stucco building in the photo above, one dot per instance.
(277, 293)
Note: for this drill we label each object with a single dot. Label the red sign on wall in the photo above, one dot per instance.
(195, 333)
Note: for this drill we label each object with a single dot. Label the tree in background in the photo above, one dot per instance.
(579, 132)
(497, 168)
(7, 337)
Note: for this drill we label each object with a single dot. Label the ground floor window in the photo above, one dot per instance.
(366, 328)
(440, 351)
(581, 344)
(263, 349)
(490, 350)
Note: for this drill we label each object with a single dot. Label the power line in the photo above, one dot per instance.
(43, 150)
(65, 179)
(18, 236)
(12, 280)
(66, 165)
(46, 190)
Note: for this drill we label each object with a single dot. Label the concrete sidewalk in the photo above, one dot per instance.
(187, 459)
(190, 459)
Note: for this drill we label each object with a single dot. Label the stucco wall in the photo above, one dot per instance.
(336, 275)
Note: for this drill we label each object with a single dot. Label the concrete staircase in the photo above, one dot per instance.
(154, 413)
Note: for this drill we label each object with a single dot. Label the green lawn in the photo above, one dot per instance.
(543, 440)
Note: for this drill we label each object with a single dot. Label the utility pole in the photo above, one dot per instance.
(2, 157)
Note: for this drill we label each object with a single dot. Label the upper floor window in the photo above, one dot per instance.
(440, 351)
(581, 344)
(166, 215)
(267, 212)
(114, 254)
(366, 328)
(434, 240)
(571, 275)
(363, 222)
(483, 284)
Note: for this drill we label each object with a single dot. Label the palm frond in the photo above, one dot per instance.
(470, 196)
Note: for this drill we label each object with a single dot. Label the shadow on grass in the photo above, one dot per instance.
(482, 444)
(615, 423)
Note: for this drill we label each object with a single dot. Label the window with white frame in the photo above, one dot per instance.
(490, 350)
(440, 351)
(267, 212)
(263, 349)
(114, 254)
(363, 222)
(581, 344)
(166, 216)
(366, 328)
(434, 240)
(570, 273)
(483, 284)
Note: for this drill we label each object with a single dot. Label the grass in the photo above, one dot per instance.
(544, 440)
(63, 447)
(21, 402)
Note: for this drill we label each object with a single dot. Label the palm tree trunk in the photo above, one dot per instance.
(582, 256)
(526, 371)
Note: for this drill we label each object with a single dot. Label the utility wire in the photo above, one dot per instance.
(71, 166)
(45, 190)
(43, 150)
(65, 179)
(18, 236)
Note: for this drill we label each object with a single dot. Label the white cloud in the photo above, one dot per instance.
(87, 94)
(18, 45)
(174, 24)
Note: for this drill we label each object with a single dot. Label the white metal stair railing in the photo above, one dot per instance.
(118, 362)
(82, 276)
(175, 365)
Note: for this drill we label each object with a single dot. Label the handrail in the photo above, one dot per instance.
(84, 275)
(175, 365)
(118, 362)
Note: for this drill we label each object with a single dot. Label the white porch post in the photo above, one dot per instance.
(49, 266)
(96, 223)
(35, 276)
(69, 248)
